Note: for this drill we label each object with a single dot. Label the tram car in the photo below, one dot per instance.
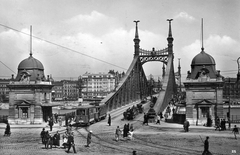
(88, 114)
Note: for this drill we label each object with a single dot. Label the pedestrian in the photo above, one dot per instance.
(144, 118)
(134, 152)
(166, 116)
(117, 133)
(158, 119)
(46, 139)
(56, 117)
(109, 119)
(42, 134)
(130, 135)
(70, 143)
(65, 139)
(186, 125)
(60, 121)
(125, 131)
(50, 123)
(206, 147)
(217, 124)
(161, 115)
(131, 127)
(89, 138)
(147, 117)
(223, 124)
(56, 139)
(50, 141)
(235, 131)
(7, 130)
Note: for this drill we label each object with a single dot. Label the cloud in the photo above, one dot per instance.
(95, 23)
(92, 18)
(184, 15)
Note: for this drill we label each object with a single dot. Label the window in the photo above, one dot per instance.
(81, 112)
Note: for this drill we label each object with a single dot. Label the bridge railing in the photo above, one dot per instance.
(143, 52)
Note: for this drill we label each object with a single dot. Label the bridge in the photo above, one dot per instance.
(134, 85)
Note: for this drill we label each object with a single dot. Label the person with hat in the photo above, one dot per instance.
(42, 134)
(206, 147)
(89, 137)
(235, 131)
(70, 143)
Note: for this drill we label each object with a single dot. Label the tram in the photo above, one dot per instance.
(87, 114)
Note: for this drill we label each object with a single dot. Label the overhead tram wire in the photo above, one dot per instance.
(63, 47)
(72, 50)
(7, 67)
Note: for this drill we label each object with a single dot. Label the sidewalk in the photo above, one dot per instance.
(43, 125)
(180, 126)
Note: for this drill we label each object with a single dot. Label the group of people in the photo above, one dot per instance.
(49, 140)
(220, 124)
(127, 132)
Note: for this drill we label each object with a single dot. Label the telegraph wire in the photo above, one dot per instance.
(7, 67)
(63, 47)
(72, 51)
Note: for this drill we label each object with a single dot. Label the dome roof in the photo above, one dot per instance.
(30, 63)
(203, 59)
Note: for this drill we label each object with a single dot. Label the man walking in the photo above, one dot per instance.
(117, 133)
(42, 134)
(109, 119)
(89, 137)
(235, 131)
(186, 125)
(51, 123)
(206, 147)
(158, 119)
(70, 143)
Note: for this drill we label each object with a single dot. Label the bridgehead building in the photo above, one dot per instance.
(30, 94)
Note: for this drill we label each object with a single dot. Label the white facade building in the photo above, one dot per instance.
(97, 85)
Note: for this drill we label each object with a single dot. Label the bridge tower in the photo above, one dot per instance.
(134, 85)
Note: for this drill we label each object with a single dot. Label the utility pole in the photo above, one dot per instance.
(229, 107)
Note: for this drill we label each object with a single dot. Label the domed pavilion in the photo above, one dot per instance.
(204, 91)
(30, 94)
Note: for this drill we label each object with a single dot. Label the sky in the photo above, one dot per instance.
(79, 36)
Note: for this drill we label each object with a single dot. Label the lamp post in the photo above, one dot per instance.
(229, 108)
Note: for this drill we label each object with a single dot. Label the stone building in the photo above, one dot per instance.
(204, 90)
(98, 85)
(4, 90)
(70, 90)
(30, 94)
(57, 91)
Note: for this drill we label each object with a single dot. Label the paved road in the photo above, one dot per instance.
(167, 138)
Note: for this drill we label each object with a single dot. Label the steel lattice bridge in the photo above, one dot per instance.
(134, 85)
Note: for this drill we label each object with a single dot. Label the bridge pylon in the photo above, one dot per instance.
(134, 85)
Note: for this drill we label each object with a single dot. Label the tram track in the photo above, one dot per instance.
(109, 144)
(137, 123)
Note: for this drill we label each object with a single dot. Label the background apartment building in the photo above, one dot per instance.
(98, 85)
(4, 90)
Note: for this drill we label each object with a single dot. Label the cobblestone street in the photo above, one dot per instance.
(153, 139)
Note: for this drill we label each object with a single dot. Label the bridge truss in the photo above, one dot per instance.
(134, 85)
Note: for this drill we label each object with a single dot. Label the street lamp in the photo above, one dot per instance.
(229, 108)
